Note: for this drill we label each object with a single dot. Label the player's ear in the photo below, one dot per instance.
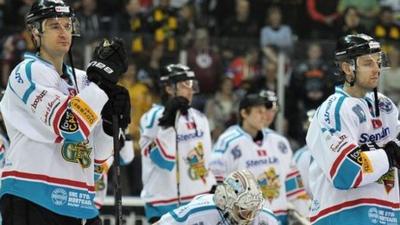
(346, 68)
(243, 113)
(169, 89)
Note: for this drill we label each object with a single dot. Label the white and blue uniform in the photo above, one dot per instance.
(269, 161)
(158, 149)
(101, 171)
(56, 137)
(203, 211)
(302, 158)
(350, 186)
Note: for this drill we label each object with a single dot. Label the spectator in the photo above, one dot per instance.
(89, 20)
(350, 23)
(221, 108)
(131, 23)
(323, 16)
(205, 62)
(238, 29)
(386, 30)
(151, 66)
(187, 24)
(394, 5)
(267, 79)
(243, 69)
(309, 86)
(13, 49)
(163, 23)
(367, 9)
(275, 33)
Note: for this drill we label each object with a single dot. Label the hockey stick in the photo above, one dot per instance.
(72, 66)
(177, 173)
(117, 173)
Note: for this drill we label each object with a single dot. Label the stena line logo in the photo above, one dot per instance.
(364, 137)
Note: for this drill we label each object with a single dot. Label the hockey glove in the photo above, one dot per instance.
(109, 62)
(393, 153)
(173, 105)
(118, 104)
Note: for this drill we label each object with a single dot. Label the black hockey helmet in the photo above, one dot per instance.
(174, 73)
(270, 98)
(354, 45)
(45, 9)
(251, 100)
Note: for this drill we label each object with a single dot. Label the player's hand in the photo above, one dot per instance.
(392, 150)
(171, 108)
(118, 104)
(109, 62)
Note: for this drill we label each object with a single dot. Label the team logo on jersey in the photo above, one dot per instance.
(83, 109)
(375, 137)
(195, 159)
(262, 152)
(376, 123)
(77, 153)
(191, 125)
(236, 152)
(337, 146)
(68, 122)
(385, 105)
(357, 109)
(282, 147)
(72, 91)
(270, 184)
(100, 184)
(373, 215)
(37, 100)
(59, 196)
(387, 180)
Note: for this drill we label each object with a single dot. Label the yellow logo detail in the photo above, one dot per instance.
(82, 108)
(195, 159)
(270, 184)
(77, 153)
(366, 163)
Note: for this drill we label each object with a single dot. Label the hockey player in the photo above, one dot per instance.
(101, 171)
(302, 157)
(175, 146)
(59, 124)
(352, 139)
(263, 152)
(237, 201)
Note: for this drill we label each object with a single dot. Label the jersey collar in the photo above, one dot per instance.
(339, 90)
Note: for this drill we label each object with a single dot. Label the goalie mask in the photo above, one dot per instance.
(239, 197)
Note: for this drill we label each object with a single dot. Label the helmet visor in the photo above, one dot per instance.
(370, 61)
(191, 84)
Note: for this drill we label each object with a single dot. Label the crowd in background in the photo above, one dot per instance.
(232, 46)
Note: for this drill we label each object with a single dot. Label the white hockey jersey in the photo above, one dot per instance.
(351, 186)
(56, 137)
(158, 149)
(203, 211)
(101, 172)
(4, 144)
(269, 161)
(302, 158)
